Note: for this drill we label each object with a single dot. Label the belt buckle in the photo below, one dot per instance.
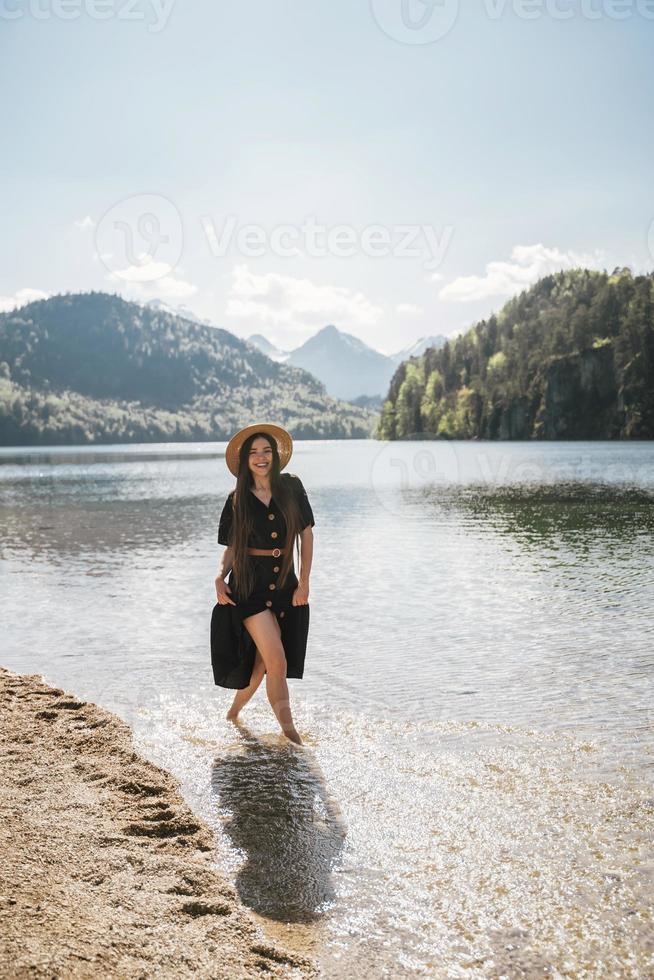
(276, 552)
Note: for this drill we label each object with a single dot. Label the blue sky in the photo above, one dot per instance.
(276, 166)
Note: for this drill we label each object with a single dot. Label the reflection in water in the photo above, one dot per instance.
(95, 531)
(463, 856)
(277, 811)
(575, 514)
(88, 455)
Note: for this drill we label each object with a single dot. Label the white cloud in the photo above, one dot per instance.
(165, 288)
(20, 298)
(86, 222)
(275, 300)
(151, 280)
(408, 309)
(528, 263)
(148, 271)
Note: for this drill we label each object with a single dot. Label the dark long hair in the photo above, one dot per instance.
(243, 523)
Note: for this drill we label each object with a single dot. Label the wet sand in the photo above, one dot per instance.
(105, 869)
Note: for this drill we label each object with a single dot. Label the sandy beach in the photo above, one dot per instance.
(105, 869)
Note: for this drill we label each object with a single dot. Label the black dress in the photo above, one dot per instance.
(232, 648)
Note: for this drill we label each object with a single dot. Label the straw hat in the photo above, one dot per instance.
(281, 437)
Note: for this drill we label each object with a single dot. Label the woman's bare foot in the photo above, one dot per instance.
(232, 715)
(294, 736)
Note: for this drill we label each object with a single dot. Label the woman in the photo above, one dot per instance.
(260, 622)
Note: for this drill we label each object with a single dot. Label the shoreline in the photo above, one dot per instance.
(106, 869)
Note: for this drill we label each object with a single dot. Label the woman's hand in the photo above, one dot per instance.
(222, 589)
(301, 595)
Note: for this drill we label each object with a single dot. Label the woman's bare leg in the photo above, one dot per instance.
(266, 633)
(244, 694)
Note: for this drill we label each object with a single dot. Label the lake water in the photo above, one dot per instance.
(477, 793)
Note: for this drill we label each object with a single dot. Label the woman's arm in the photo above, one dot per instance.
(226, 561)
(306, 555)
(222, 589)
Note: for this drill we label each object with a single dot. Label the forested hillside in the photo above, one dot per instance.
(91, 367)
(570, 358)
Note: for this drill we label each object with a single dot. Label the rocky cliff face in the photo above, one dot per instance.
(515, 420)
(579, 397)
(574, 396)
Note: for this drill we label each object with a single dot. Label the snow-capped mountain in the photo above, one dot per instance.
(418, 347)
(264, 345)
(348, 367)
(183, 311)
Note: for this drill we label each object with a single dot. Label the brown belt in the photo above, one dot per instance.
(275, 552)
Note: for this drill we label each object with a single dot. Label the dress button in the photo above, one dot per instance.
(276, 568)
(273, 534)
(272, 586)
(271, 517)
(281, 613)
(268, 602)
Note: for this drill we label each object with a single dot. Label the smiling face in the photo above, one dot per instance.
(260, 457)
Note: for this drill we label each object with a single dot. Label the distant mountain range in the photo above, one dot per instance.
(159, 306)
(572, 357)
(91, 367)
(348, 367)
